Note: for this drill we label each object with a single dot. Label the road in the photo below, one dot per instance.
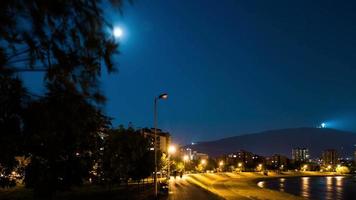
(181, 189)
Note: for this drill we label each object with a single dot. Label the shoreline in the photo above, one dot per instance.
(303, 174)
(244, 185)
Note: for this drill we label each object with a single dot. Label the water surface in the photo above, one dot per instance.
(315, 188)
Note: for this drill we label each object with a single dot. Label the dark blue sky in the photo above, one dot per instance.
(233, 67)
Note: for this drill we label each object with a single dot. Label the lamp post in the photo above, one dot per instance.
(171, 150)
(162, 96)
(203, 163)
(185, 159)
(221, 166)
(240, 166)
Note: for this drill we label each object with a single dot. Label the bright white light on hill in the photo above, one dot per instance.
(323, 125)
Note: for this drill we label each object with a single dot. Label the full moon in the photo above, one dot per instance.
(117, 32)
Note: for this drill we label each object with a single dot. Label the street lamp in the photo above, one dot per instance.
(221, 164)
(162, 96)
(239, 165)
(171, 150)
(203, 161)
(329, 167)
(185, 159)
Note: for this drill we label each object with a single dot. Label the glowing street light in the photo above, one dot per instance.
(185, 158)
(172, 149)
(281, 167)
(221, 163)
(259, 167)
(203, 161)
(163, 96)
(239, 165)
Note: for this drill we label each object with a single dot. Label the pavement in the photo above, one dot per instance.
(243, 186)
(181, 189)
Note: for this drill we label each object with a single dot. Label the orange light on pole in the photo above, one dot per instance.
(203, 161)
(172, 149)
(221, 163)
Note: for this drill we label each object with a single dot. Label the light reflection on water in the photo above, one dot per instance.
(281, 184)
(339, 188)
(318, 188)
(305, 187)
(261, 184)
(329, 188)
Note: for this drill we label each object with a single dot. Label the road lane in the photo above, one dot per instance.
(181, 189)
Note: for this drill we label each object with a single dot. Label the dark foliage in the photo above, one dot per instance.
(126, 155)
(12, 101)
(69, 40)
(62, 138)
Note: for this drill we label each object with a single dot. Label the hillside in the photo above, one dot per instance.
(282, 141)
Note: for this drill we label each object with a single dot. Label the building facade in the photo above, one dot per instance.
(163, 139)
(330, 157)
(245, 158)
(277, 160)
(300, 155)
(199, 156)
(187, 152)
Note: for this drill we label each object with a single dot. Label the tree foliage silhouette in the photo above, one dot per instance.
(127, 155)
(12, 102)
(69, 40)
(61, 136)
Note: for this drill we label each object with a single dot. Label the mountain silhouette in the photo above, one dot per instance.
(282, 142)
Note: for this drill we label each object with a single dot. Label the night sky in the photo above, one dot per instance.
(232, 67)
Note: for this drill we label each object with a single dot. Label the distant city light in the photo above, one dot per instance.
(323, 125)
(193, 143)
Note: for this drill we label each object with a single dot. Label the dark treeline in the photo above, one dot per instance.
(66, 141)
(61, 138)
